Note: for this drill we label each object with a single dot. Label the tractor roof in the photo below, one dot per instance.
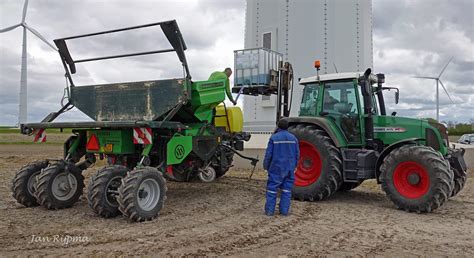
(332, 77)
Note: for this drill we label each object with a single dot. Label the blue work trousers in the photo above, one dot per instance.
(279, 180)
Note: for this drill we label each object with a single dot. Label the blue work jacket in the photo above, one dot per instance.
(282, 152)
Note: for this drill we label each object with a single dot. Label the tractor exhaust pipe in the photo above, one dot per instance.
(368, 107)
(380, 81)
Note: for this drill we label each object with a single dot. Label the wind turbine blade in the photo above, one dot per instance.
(9, 28)
(445, 67)
(424, 77)
(24, 11)
(37, 34)
(445, 90)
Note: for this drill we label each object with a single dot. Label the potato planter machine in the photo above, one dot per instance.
(147, 130)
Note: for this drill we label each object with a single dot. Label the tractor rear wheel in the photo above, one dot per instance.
(142, 194)
(24, 183)
(318, 173)
(416, 178)
(103, 190)
(59, 186)
(347, 186)
(459, 182)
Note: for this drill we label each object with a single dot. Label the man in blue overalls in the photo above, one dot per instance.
(280, 161)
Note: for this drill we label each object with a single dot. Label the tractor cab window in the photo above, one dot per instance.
(309, 100)
(340, 105)
(375, 100)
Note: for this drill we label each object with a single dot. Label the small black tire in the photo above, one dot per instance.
(347, 186)
(24, 183)
(220, 171)
(459, 182)
(314, 140)
(103, 190)
(428, 171)
(53, 194)
(179, 175)
(182, 172)
(142, 194)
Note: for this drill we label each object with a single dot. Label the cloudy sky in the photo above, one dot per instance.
(410, 38)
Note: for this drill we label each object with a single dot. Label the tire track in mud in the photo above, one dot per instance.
(263, 231)
(245, 188)
(216, 215)
(226, 218)
(185, 218)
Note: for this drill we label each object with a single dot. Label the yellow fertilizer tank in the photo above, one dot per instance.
(233, 116)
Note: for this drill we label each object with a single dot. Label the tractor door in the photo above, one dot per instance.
(341, 106)
(309, 100)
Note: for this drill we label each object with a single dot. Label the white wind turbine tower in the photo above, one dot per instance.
(23, 81)
(438, 82)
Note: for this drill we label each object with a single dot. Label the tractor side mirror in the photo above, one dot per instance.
(397, 96)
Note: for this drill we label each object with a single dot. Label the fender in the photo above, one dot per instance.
(389, 149)
(323, 124)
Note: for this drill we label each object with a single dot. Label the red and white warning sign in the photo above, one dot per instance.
(40, 135)
(142, 135)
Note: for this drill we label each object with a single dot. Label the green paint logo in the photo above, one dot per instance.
(179, 151)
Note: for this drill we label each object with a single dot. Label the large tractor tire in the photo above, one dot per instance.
(142, 194)
(24, 183)
(59, 186)
(459, 182)
(347, 186)
(416, 178)
(319, 171)
(103, 190)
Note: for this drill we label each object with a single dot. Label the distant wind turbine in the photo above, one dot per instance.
(438, 82)
(23, 111)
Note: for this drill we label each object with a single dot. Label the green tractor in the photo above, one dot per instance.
(146, 131)
(346, 138)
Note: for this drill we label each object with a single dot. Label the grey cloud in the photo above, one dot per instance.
(413, 38)
(410, 38)
(205, 30)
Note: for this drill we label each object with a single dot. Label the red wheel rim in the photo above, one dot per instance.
(309, 165)
(411, 180)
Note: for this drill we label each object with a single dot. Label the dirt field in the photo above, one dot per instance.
(226, 218)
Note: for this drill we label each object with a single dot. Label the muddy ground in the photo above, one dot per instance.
(226, 218)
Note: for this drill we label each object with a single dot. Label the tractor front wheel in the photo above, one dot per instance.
(459, 181)
(59, 186)
(318, 173)
(416, 178)
(24, 183)
(103, 190)
(142, 194)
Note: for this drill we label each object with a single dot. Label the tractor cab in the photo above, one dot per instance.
(337, 97)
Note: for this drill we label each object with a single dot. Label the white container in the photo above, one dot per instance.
(252, 67)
